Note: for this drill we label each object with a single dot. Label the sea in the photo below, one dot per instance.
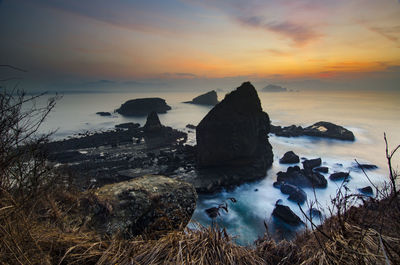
(368, 114)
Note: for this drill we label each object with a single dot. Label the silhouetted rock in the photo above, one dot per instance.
(320, 129)
(103, 113)
(143, 204)
(295, 193)
(234, 135)
(191, 126)
(127, 125)
(143, 106)
(302, 178)
(209, 98)
(285, 214)
(274, 88)
(312, 163)
(289, 158)
(314, 213)
(339, 176)
(322, 169)
(153, 123)
(367, 190)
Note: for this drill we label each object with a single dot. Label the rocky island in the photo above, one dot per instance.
(143, 106)
(209, 98)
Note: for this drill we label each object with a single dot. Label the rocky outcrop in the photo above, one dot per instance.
(143, 106)
(209, 98)
(148, 204)
(234, 135)
(153, 123)
(295, 193)
(322, 169)
(289, 158)
(127, 125)
(302, 178)
(320, 129)
(367, 190)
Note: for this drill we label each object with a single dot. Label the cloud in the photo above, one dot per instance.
(298, 33)
(390, 33)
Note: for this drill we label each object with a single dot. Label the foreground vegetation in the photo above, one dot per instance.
(41, 221)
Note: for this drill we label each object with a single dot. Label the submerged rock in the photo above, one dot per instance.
(234, 135)
(285, 214)
(209, 98)
(295, 193)
(365, 166)
(289, 158)
(103, 113)
(191, 126)
(147, 204)
(339, 176)
(320, 129)
(143, 106)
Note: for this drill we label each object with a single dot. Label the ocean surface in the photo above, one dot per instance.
(367, 114)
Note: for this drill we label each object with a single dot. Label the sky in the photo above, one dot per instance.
(103, 44)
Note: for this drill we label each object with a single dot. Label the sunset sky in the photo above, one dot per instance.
(310, 43)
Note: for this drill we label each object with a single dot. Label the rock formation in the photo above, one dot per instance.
(153, 123)
(320, 129)
(209, 98)
(289, 158)
(143, 106)
(146, 204)
(234, 134)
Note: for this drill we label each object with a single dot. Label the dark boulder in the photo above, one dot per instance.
(234, 134)
(143, 106)
(302, 178)
(364, 166)
(367, 190)
(153, 123)
(312, 163)
(295, 193)
(289, 131)
(321, 169)
(209, 98)
(285, 214)
(314, 213)
(103, 113)
(339, 176)
(289, 158)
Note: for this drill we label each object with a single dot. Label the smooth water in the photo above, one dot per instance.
(367, 114)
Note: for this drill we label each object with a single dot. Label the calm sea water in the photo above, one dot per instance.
(367, 114)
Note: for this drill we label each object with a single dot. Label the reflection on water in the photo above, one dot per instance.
(367, 114)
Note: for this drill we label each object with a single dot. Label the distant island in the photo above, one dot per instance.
(274, 88)
(209, 98)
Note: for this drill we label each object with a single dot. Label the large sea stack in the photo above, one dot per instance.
(235, 134)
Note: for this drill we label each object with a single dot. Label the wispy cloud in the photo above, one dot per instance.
(298, 33)
(390, 33)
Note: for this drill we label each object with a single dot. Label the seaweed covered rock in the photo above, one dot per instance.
(149, 204)
(235, 134)
(143, 106)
